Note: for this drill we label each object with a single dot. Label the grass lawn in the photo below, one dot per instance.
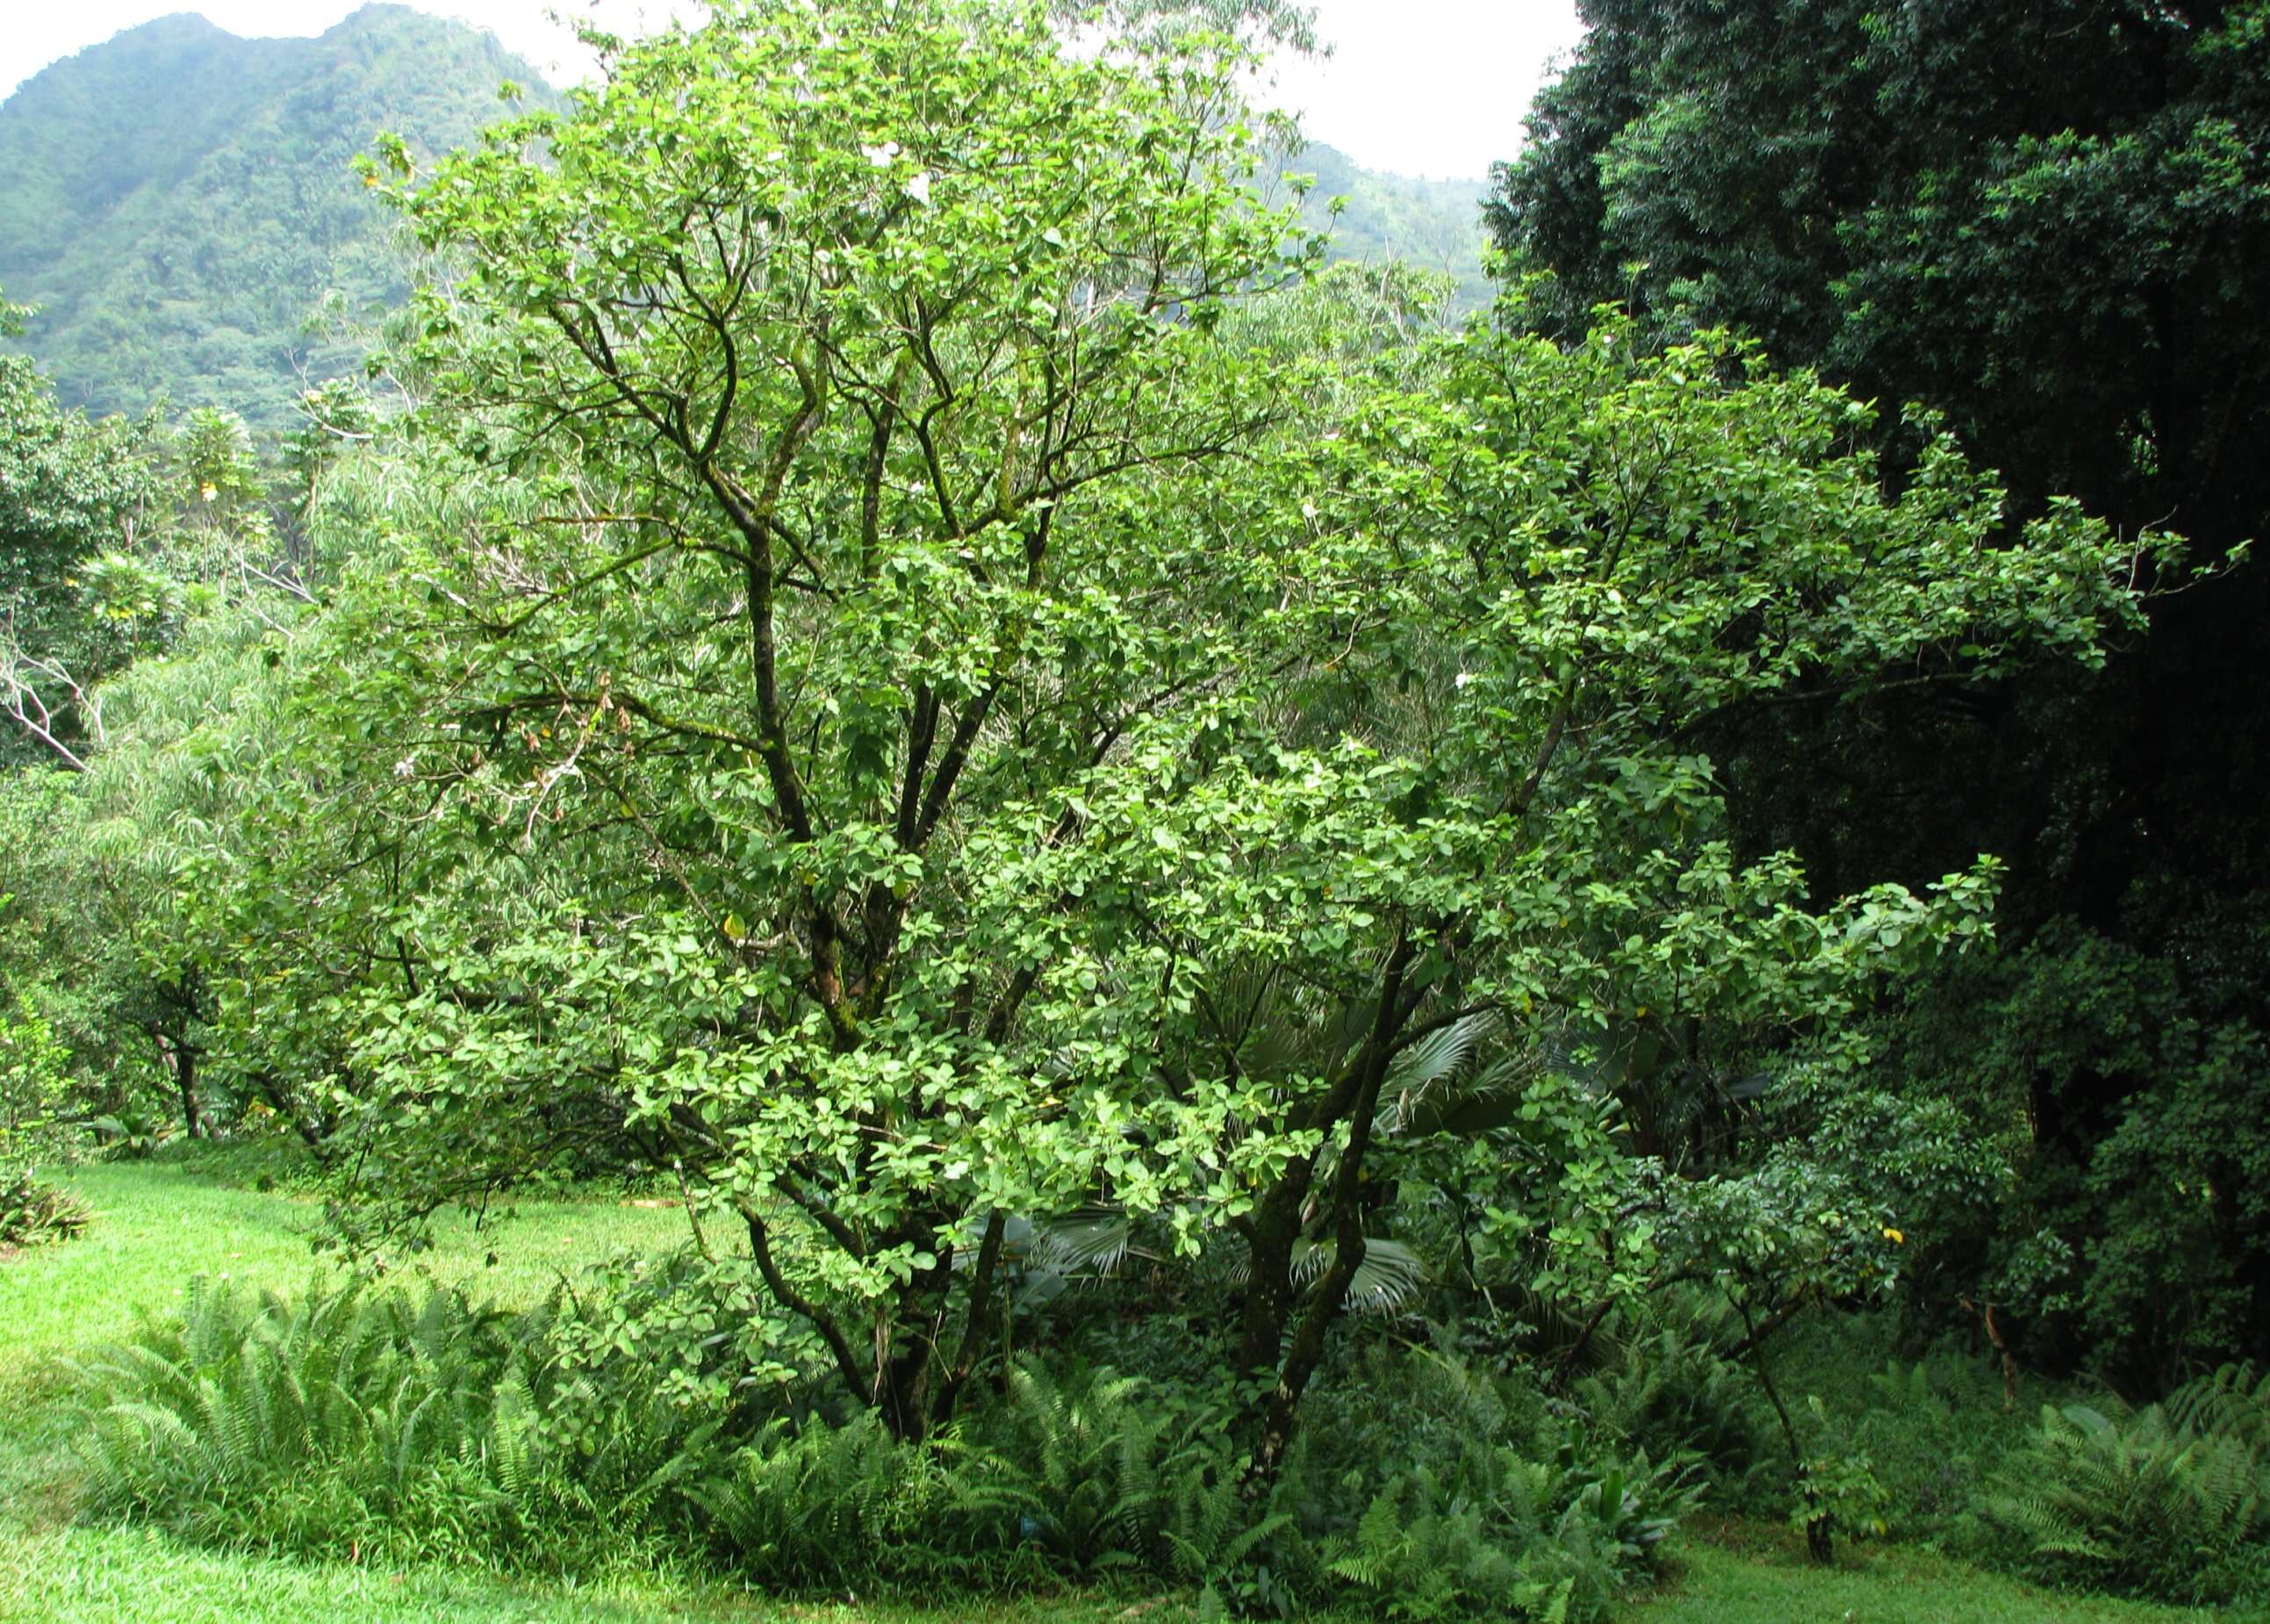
(157, 1225)
(100, 1575)
(1743, 1573)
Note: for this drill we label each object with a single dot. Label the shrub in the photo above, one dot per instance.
(1093, 1449)
(1438, 1488)
(2166, 1501)
(1668, 1393)
(34, 1214)
(822, 1507)
(1547, 1539)
(352, 1420)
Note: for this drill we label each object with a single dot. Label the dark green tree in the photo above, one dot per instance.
(2051, 222)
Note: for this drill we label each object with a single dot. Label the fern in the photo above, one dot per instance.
(1093, 1446)
(327, 1422)
(820, 1505)
(1669, 1394)
(2167, 1501)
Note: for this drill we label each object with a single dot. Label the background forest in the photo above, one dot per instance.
(963, 833)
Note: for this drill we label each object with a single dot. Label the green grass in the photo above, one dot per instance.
(100, 1575)
(157, 1225)
(1744, 1573)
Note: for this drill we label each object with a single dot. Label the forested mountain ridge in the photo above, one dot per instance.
(1434, 224)
(178, 201)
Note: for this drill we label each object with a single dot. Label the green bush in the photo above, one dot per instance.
(1667, 1392)
(822, 1507)
(1098, 1454)
(1434, 1487)
(352, 1420)
(2167, 1501)
(34, 1214)
(1936, 1430)
(1545, 1540)
(355, 1420)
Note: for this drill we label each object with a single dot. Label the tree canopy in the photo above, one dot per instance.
(2050, 223)
(957, 702)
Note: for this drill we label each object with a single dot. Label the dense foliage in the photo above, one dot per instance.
(1251, 933)
(178, 202)
(2051, 223)
(360, 1422)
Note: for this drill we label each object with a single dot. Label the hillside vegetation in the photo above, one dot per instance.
(178, 202)
(1434, 224)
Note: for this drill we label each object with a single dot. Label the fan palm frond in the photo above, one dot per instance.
(1387, 1276)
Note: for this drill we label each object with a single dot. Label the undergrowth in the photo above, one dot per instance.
(2169, 1501)
(358, 1420)
(33, 1212)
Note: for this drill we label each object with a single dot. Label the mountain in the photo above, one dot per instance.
(1436, 225)
(178, 201)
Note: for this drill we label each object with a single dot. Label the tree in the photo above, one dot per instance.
(117, 539)
(866, 325)
(71, 491)
(2051, 223)
(2047, 221)
(1586, 556)
(923, 713)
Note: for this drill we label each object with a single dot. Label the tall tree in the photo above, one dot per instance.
(933, 716)
(2051, 223)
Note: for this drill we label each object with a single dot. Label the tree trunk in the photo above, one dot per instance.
(181, 1059)
(1819, 1545)
(902, 1390)
(1270, 1235)
(1275, 1231)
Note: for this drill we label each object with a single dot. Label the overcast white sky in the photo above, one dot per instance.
(1433, 87)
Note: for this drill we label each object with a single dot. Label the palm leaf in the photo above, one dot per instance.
(1388, 1274)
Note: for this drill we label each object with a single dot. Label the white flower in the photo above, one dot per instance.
(1462, 679)
(405, 767)
(919, 189)
(880, 156)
